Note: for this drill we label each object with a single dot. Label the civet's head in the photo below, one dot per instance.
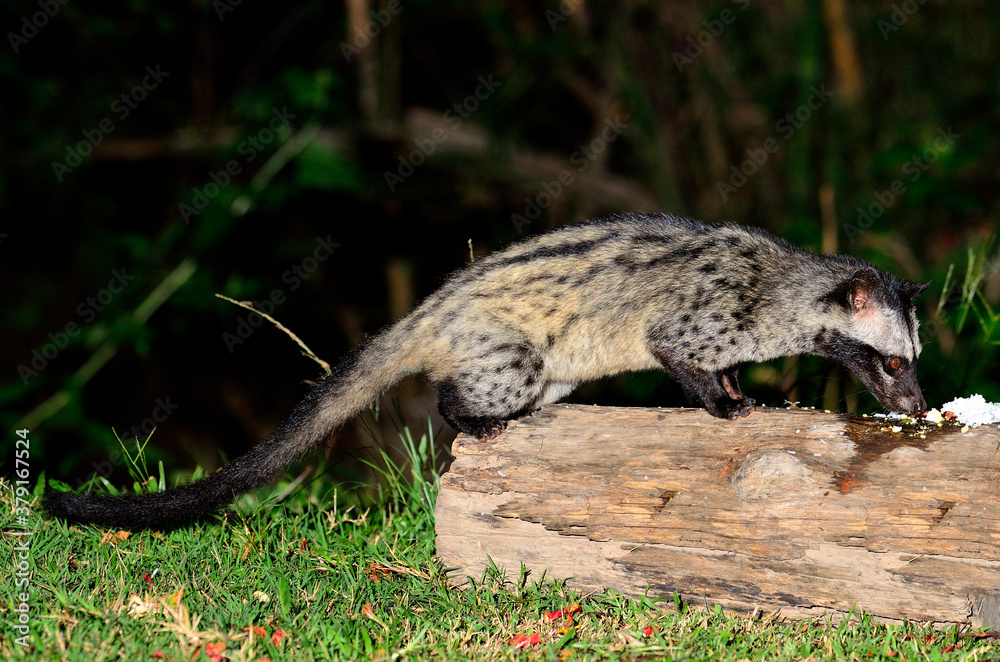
(879, 341)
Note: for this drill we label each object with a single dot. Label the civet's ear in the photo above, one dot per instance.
(912, 290)
(861, 291)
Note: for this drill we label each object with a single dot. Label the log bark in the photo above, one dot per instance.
(797, 511)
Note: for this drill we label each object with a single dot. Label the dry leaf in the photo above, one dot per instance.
(115, 537)
(138, 607)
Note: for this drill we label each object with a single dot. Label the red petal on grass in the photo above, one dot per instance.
(278, 636)
(256, 630)
(552, 616)
(649, 630)
(214, 651)
(367, 610)
(520, 641)
(146, 578)
(158, 654)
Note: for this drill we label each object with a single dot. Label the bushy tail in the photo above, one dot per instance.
(353, 386)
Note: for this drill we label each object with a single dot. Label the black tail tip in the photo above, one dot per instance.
(159, 510)
(62, 504)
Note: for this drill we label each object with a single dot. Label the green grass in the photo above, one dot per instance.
(352, 577)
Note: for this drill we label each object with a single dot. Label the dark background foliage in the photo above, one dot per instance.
(789, 116)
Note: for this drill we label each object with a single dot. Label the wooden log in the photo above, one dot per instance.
(801, 512)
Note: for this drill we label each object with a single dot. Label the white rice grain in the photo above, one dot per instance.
(974, 411)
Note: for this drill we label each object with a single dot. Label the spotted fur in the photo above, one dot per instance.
(524, 326)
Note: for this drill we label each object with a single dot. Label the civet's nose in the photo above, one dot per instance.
(914, 404)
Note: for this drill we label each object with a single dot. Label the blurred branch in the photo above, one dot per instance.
(467, 140)
(185, 142)
(281, 157)
(897, 249)
(401, 288)
(597, 101)
(710, 127)
(845, 55)
(828, 218)
(473, 142)
(190, 142)
(367, 65)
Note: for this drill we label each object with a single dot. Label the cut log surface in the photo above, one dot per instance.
(797, 511)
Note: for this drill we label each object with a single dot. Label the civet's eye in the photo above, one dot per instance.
(894, 363)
